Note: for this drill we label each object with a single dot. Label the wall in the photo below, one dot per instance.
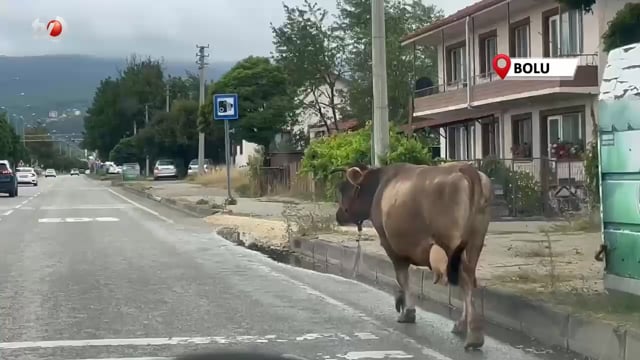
(308, 117)
(504, 117)
(248, 149)
(593, 26)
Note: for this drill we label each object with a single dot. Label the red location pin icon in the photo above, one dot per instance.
(501, 65)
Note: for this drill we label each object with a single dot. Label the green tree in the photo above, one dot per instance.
(312, 53)
(266, 101)
(119, 104)
(128, 150)
(402, 17)
(624, 28)
(40, 144)
(6, 137)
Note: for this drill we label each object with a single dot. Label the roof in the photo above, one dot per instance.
(457, 16)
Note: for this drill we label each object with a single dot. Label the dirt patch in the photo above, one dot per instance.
(263, 232)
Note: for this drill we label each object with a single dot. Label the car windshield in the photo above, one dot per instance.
(165, 162)
(194, 162)
(50, 170)
(3, 167)
(24, 170)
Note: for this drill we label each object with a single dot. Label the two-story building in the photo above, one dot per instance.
(520, 121)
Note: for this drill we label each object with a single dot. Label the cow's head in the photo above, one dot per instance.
(355, 194)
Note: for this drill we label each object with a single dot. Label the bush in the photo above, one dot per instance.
(345, 149)
(522, 192)
(592, 173)
(624, 28)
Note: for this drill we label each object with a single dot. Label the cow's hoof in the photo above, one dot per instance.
(474, 341)
(400, 302)
(459, 328)
(408, 316)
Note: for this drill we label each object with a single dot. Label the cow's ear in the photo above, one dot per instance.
(355, 175)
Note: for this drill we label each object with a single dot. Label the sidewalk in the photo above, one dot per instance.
(521, 258)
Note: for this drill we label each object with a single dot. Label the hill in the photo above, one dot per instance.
(31, 86)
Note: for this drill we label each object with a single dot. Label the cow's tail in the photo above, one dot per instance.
(475, 196)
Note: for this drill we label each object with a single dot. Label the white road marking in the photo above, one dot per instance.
(77, 219)
(7, 213)
(381, 354)
(130, 358)
(18, 206)
(142, 207)
(173, 341)
(86, 207)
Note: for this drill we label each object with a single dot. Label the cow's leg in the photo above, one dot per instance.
(475, 333)
(404, 301)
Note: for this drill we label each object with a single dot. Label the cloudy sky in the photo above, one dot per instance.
(171, 29)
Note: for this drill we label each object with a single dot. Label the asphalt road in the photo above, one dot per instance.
(88, 272)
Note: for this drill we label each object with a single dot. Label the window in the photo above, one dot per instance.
(565, 129)
(521, 129)
(490, 137)
(521, 41)
(461, 142)
(566, 34)
(488, 50)
(457, 65)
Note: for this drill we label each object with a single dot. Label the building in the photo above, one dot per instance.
(525, 123)
(309, 119)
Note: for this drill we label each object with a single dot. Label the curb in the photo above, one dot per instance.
(555, 326)
(189, 209)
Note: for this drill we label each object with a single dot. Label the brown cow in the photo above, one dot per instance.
(415, 207)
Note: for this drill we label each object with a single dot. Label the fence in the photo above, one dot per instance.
(522, 187)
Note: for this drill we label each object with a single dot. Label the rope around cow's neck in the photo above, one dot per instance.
(356, 261)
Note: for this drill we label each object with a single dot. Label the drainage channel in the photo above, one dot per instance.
(508, 336)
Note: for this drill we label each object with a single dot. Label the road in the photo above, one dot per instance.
(88, 272)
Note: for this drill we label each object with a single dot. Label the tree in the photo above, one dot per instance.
(266, 102)
(624, 28)
(312, 53)
(584, 5)
(402, 17)
(6, 137)
(41, 145)
(119, 104)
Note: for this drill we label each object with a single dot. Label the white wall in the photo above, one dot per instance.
(593, 26)
(309, 116)
(248, 149)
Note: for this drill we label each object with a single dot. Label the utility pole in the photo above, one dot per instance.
(146, 123)
(201, 65)
(167, 94)
(380, 98)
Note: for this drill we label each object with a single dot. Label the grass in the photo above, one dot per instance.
(590, 224)
(218, 178)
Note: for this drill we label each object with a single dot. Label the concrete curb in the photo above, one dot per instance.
(190, 209)
(555, 326)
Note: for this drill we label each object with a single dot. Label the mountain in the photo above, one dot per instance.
(31, 86)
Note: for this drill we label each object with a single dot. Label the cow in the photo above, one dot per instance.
(423, 213)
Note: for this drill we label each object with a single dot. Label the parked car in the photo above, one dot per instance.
(193, 166)
(165, 168)
(74, 172)
(8, 180)
(50, 173)
(27, 175)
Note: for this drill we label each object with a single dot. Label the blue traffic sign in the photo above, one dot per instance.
(225, 106)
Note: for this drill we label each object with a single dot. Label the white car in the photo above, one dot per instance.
(50, 173)
(27, 175)
(74, 172)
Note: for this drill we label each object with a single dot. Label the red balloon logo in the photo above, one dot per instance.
(54, 27)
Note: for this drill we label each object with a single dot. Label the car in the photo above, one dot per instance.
(74, 172)
(50, 173)
(8, 180)
(27, 175)
(192, 169)
(165, 168)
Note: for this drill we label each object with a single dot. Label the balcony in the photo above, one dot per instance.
(486, 90)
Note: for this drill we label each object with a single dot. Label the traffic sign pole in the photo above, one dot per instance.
(227, 153)
(225, 108)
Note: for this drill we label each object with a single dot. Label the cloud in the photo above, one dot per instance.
(169, 29)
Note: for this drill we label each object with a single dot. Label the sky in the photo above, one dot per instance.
(161, 28)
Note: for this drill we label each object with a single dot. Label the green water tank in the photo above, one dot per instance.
(619, 146)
